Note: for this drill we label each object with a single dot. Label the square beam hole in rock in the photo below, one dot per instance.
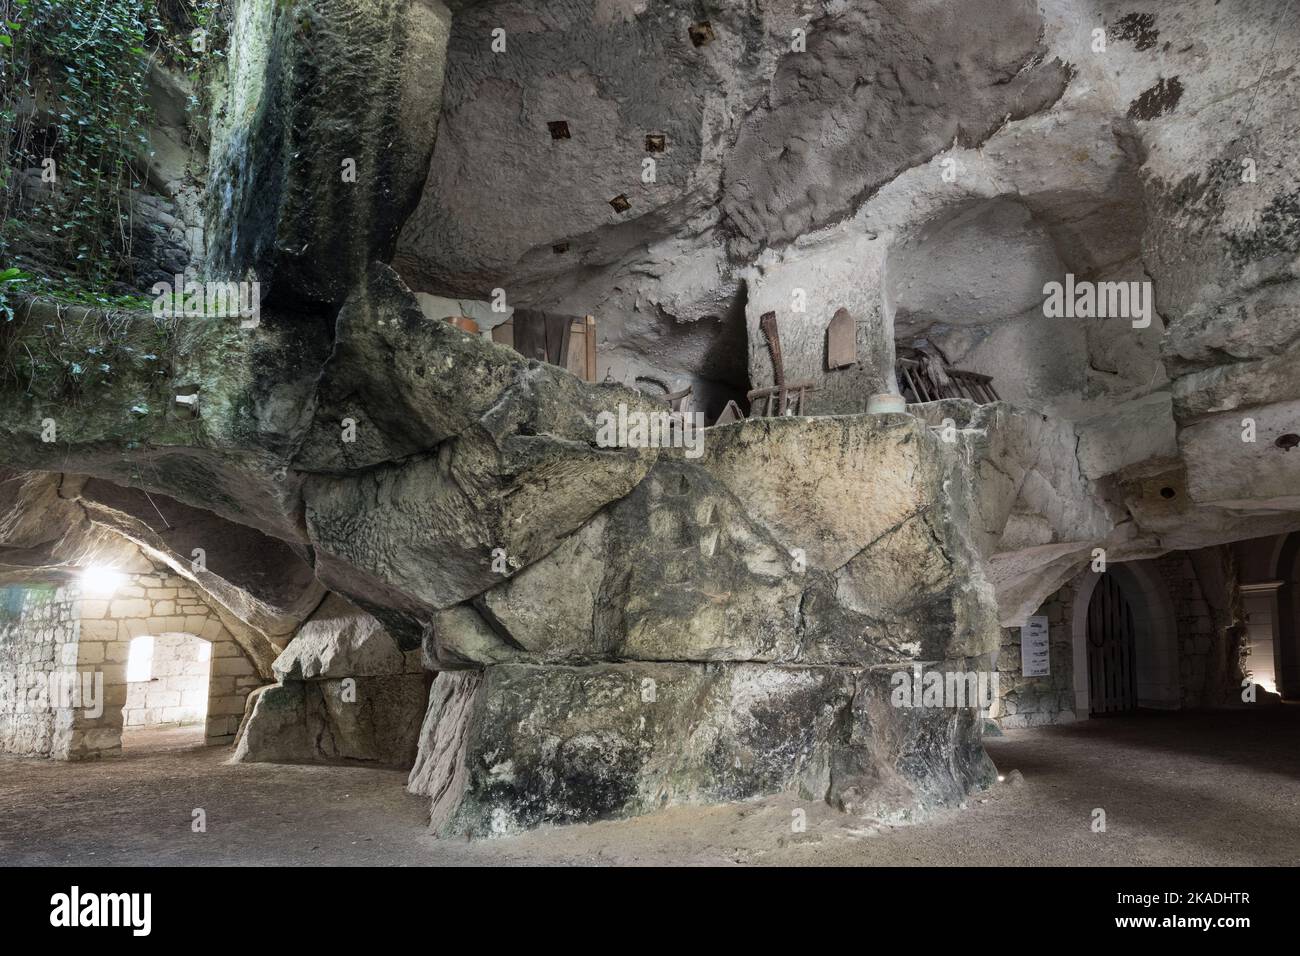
(620, 203)
(701, 33)
(560, 248)
(655, 142)
(559, 129)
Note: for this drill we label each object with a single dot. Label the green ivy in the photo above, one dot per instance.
(12, 285)
(173, 26)
(75, 94)
(70, 351)
(73, 88)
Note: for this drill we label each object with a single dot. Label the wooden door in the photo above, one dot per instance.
(1112, 665)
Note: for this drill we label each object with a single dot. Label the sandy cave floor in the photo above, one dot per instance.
(1178, 789)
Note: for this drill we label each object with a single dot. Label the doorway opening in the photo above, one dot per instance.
(1112, 650)
(166, 692)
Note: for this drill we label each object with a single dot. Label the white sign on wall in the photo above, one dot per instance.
(1034, 661)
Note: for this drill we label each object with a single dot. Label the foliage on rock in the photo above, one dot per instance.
(74, 122)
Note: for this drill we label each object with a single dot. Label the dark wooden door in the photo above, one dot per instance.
(1112, 670)
(544, 336)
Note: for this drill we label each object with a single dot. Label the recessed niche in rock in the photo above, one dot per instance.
(701, 33)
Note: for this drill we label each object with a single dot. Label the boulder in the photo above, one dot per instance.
(339, 640)
(517, 746)
(365, 719)
(764, 550)
(728, 629)
(472, 460)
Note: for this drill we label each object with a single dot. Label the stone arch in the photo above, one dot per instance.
(153, 605)
(1156, 624)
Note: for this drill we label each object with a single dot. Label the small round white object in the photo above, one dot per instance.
(886, 403)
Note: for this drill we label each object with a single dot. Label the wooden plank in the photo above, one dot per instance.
(1112, 648)
(577, 358)
(1132, 653)
(590, 341)
(1099, 613)
(558, 336)
(915, 380)
(917, 389)
(1126, 700)
(530, 334)
(772, 332)
(928, 388)
(504, 334)
(1102, 650)
(841, 341)
(1094, 672)
(1121, 659)
(1112, 641)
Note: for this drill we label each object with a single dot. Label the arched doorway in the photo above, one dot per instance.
(1112, 650)
(1155, 635)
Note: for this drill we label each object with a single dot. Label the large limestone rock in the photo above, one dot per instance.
(346, 692)
(463, 448)
(818, 541)
(729, 629)
(1227, 471)
(368, 719)
(439, 767)
(339, 640)
(468, 455)
(1134, 432)
(405, 383)
(521, 745)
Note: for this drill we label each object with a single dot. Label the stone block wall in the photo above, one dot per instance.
(39, 629)
(176, 689)
(1028, 702)
(1195, 621)
(160, 605)
(1035, 701)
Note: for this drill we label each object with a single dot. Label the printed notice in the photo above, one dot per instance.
(1034, 648)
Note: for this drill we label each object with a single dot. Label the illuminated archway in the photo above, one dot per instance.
(1156, 636)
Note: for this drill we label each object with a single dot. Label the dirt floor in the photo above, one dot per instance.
(1178, 789)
